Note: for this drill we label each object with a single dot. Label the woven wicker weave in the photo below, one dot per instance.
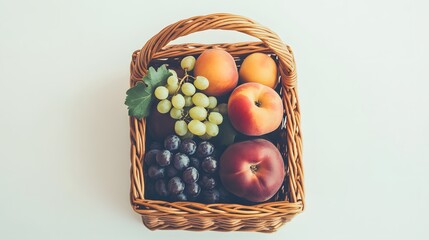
(265, 217)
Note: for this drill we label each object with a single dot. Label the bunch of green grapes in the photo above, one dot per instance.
(195, 112)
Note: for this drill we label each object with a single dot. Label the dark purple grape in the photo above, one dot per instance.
(150, 157)
(171, 171)
(190, 175)
(180, 198)
(180, 161)
(207, 182)
(210, 196)
(192, 190)
(209, 164)
(172, 143)
(205, 149)
(161, 188)
(155, 145)
(155, 172)
(175, 186)
(188, 147)
(163, 158)
(195, 163)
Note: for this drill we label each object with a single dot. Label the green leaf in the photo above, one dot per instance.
(140, 97)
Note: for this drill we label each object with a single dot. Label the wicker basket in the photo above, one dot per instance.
(264, 217)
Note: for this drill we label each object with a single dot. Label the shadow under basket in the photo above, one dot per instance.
(263, 217)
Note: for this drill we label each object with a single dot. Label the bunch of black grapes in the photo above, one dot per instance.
(182, 170)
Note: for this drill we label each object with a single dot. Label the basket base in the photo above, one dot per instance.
(214, 224)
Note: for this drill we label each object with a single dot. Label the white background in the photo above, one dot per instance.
(64, 136)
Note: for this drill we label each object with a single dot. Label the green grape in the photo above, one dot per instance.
(223, 108)
(188, 63)
(161, 92)
(172, 72)
(164, 106)
(216, 109)
(188, 89)
(197, 127)
(173, 80)
(198, 113)
(172, 88)
(188, 135)
(181, 128)
(178, 101)
(188, 101)
(205, 137)
(200, 99)
(212, 102)
(216, 118)
(201, 83)
(211, 129)
(176, 113)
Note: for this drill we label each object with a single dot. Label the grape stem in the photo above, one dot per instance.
(187, 76)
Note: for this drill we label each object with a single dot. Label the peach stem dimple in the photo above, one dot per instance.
(254, 168)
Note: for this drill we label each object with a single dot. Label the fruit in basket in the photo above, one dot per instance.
(255, 109)
(192, 190)
(202, 83)
(181, 128)
(190, 175)
(216, 118)
(188, 147)
(197, 127)
(178, 101)
(171, 171)
(190, 109)
(150, 157)
(161, 92)
(163, 158)
(253, 170)
(155, 172)
(211, 129)
(188, 89)
(161, 188)
(209, 165)
(259, 68)
(172, 143)
(184, 176)
(207, 182)
(198, 113)
(181, 161)
(175, 186)
(188, 63)
(180, 197)
(164, 106)
(210, 196)
(205, 149)
(219, 67)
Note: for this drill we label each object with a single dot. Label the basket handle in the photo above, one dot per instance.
(220, 21)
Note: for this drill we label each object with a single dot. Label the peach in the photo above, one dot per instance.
(260, 68)
(255, 109)
(219, 67)
(253, 169)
